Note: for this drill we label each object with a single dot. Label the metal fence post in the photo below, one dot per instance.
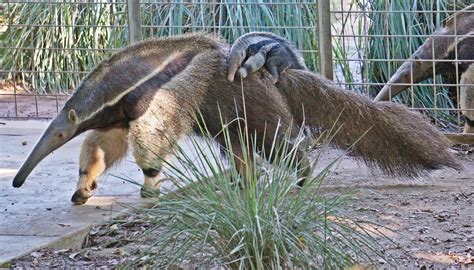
(134, 21)
(324, 39)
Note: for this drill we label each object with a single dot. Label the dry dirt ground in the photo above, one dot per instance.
(432, 218)
(429, 220)
(19, 101)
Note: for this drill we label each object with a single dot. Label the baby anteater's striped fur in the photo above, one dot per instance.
(145, 98)
(258, 49)
(275, 56)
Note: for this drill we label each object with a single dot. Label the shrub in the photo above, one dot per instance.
(256, 219)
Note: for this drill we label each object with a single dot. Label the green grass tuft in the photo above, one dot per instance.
(259, 220)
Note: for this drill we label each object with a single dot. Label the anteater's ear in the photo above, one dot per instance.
(73, 116)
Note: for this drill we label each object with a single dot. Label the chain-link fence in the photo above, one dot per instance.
(374, 38)
(50, 46)
(47, 47)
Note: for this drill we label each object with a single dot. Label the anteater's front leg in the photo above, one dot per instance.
(152, 147)
(100, 150)
(153, 136)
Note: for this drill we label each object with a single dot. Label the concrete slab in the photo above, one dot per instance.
(18, 245)
(40, 212)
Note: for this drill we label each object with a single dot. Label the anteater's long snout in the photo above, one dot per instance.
(407, 74)
(39, 152)
(414, 70)
(60, 131)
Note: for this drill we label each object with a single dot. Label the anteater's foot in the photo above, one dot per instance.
(301, 182)
(147, 192)
(80, 197)
(468, 126)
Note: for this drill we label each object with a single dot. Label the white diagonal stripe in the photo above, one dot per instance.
(133, 87)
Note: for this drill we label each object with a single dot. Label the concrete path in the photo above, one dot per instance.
(40, 212)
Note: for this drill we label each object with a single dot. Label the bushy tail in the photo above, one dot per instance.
(389, 137)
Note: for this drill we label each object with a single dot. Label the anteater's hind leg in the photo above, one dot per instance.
(273, 70)
(245, 164)
(100, 150)
(467, 98)
(304, 166)
(243, 159)
(302, 163)
(265, 142)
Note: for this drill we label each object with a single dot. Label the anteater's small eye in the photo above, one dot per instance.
(59, 134)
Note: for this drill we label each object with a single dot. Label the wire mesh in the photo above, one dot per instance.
(373, 38)
(48, 46)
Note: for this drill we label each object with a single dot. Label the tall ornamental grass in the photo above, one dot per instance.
(53, 44)
(251, 219)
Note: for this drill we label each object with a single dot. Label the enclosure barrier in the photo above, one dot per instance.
(47, 47)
